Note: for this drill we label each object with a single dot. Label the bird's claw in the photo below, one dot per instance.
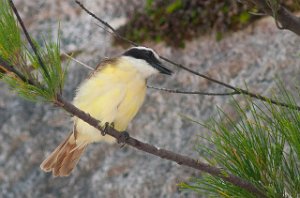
(123, 137)
(105, 129)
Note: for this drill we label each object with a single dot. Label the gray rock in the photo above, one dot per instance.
(29, 132)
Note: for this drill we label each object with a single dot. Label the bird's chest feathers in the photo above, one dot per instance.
(113, 95)
(112, 92)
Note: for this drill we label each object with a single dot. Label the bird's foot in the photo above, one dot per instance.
(112, 125)
(105, 129)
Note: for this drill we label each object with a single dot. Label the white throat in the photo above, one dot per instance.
(144, 68)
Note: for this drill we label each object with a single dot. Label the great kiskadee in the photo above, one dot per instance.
(113, 94)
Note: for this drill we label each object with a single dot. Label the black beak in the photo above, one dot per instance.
(162, 69)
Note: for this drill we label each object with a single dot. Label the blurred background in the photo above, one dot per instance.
(217, 38)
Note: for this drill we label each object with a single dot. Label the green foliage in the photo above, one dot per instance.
(261, 146)
(26, 90)
(148, 6)
(10, 36)
(44, 83)
(51, 79)
(175, 21)
(176, 5)
(244, 17)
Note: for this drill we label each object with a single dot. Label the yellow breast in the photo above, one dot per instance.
(113, 94)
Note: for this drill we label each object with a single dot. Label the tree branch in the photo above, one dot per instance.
(8, 67)
(162, 153)
(282, 15)
(192, 92)
(236, 90)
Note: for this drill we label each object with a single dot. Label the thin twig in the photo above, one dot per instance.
(235, 89)
(77, 61)
(106, 24)
(8, 67)
(32, 45)
(239, 90)
(192, 92)
(11, 69)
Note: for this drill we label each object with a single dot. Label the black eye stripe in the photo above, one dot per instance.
(141, 54)
(137, 53)
(149, 57)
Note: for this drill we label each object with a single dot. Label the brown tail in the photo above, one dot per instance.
(64, 158)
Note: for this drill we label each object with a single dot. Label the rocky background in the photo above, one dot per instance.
(29, 132)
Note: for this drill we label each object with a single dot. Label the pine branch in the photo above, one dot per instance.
(236, 90)
(10, 68)
(32, 45)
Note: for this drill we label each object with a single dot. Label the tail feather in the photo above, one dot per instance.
(64, 158)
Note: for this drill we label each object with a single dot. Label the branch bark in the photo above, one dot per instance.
(162, 153)
(286, 19)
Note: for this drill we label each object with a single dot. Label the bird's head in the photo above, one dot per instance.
(146, 61)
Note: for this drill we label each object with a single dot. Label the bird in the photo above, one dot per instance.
(113, 93)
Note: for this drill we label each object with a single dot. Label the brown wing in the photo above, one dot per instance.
(102, 64)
